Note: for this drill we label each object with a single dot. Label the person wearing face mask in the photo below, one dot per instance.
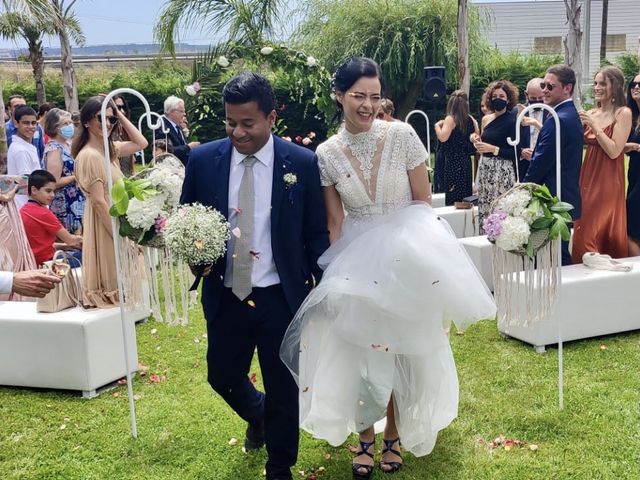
(99, 275)
(69, 201)
(497, 168)
(632, 148)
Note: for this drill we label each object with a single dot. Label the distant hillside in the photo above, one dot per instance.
(113, 49)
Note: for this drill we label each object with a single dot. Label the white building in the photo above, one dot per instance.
(539, 26)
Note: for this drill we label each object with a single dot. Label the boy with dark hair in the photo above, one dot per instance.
(41, 225)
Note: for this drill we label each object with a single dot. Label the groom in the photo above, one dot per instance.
(269, 190)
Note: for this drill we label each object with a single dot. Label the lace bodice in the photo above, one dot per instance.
(369, 169)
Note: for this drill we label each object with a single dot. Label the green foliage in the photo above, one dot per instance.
(629, 63)
(403, 37)
(155, 82)
(301, 85)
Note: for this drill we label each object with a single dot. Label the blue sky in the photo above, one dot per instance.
(117, 21)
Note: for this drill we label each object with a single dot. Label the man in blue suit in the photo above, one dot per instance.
(270, 192)
(557, 88)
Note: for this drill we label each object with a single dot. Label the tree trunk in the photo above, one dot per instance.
(37, 64)
(68, 75)
(409, 99)
(572, 46)
(3, 138)
(603, 30)
(464, 74)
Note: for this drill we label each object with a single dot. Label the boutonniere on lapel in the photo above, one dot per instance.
(290, 183)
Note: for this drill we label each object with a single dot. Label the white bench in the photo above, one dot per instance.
(74, 349)
(463, 222)
(480, 250)
(590, 303)
(437, 200)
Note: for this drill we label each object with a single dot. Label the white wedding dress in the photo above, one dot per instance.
(375, 324)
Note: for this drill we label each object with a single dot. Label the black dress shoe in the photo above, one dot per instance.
(255, 437)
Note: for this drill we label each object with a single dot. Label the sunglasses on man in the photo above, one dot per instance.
(548, 86)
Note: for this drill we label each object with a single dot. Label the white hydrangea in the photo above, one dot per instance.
(266, 50)
(515, 203)
(190, 90)
(143, 214)
(532, 213)
(515, 234)
(168, 183)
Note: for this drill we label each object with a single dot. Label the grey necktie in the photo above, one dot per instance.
(242, 258)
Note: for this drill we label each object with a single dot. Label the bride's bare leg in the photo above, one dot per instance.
(365, 457)
(389, 459)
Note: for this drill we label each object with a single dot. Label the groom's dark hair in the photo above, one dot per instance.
(248, 87)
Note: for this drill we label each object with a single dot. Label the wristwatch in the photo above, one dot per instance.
(496, 151)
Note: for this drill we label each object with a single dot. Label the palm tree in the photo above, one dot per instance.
(247, 22)
(15, 24)
(67, 27)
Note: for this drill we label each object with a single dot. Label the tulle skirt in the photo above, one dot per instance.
(375, 326)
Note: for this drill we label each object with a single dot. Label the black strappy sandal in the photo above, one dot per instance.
(364, 450)
(388, 447)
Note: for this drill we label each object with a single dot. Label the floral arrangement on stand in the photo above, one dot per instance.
(526, 218)
(143, 202)
(522, 226)
(198, 236)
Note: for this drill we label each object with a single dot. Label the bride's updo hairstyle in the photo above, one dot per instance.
(349, 73)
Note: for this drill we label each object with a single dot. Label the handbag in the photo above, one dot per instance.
(65, 294)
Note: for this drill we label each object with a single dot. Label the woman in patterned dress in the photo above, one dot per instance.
(68, 203)
(497, 170)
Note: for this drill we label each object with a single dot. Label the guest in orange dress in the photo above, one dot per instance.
(602, 227)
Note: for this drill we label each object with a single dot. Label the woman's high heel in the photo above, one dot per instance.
(388, 448)
(357, 467)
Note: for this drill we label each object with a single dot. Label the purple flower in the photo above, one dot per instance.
(492, 225)
(160, 224)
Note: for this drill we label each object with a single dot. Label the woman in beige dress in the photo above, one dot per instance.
(98, 259)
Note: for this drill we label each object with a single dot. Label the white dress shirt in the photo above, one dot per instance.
(534, 132)
(264, 271)
(6, 281)
(22, 158)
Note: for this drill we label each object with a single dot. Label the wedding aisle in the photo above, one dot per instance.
(187, 432)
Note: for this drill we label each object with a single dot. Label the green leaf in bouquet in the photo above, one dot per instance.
(126, 229)
(561, 207)
(547, 212)
(556, 229)
(120, 198)
(529, 250)
(142, 191)
(541, 223)
(564, 231)
(542, 192)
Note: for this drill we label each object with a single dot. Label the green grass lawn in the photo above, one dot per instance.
(185, 428)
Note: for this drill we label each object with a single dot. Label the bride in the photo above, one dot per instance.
(370, 339)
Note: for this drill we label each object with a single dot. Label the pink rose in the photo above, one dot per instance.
(298, 139)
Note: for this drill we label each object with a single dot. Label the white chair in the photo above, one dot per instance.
(437, 200)
(463, 222)
(74, 349)
(590, 303)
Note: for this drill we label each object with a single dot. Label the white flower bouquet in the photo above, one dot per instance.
(197, 235)
(144, 202)
(526, 218)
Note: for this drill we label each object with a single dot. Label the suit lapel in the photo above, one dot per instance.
(281, 165)
(221, 167)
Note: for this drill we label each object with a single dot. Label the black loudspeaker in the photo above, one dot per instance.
(434, 86)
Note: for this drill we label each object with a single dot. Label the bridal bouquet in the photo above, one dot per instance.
(197, 235)
(144, 202)
(526, 218)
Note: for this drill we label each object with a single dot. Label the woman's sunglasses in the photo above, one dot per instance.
(633, 85)
(111, 119)
(122, 108)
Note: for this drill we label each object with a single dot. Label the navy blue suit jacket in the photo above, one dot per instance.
(298, 218)
(542, 169)
(180, 148)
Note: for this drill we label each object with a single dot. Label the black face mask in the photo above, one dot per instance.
(535, 100)
(498, 104)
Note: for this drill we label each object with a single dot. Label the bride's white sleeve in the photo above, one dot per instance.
(328, 173)
(415, 153)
